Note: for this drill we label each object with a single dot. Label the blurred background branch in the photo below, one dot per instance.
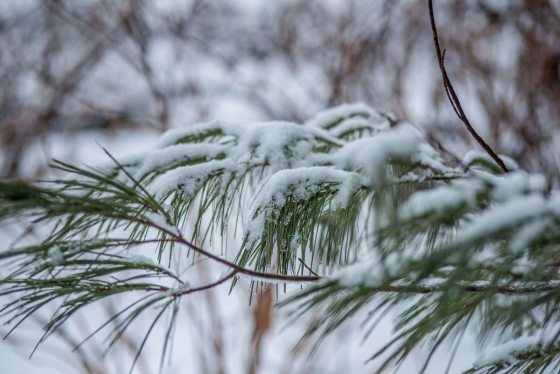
(75, 67)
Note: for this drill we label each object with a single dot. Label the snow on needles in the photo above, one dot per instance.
(300, 184)
(178, 153)
(509, 215)
(506, 352)
(345, 148)
(329, 118)
(56, 256)
(279, 143)
(188, 179)
(369, 155)
(186, 157)
(440, 199)
(465, 192)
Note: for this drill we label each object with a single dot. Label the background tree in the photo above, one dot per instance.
(88, 67)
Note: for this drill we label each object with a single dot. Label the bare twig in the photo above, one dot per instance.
(208, 286)
(452, 95)
(307, 267)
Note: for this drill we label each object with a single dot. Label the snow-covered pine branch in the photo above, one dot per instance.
(359, 205)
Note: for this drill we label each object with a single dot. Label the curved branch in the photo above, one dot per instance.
(238, 269)
(454, 99)
(208, 286)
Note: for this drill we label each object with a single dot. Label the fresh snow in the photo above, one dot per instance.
(503, 216)
(471, 156)
(464, 192)
(427, 156)
(175, 135)
(296, 170)
(188, 179)
(300, 184)
(56, 256)
(160, 221)
(510, 185)
(331, 117)
(251, 140)
(139, 259)
(279, 143)
(369, 155)
(506, 352)
(285, 145)
(370, 271)
(357, 124)
(528, 233)
(440, 199)
(176, 153)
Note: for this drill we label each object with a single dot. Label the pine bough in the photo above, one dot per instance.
(358, 205)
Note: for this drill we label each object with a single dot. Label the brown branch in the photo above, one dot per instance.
(509, 288)
(307, 267)
(208, 286)
(238, 269)
(452, 95)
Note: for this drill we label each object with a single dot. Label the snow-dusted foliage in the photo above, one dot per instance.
(309, 176)
(360, 205)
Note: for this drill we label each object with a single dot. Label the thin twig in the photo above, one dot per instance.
(452, 95)
(208, 286)
(307, 267)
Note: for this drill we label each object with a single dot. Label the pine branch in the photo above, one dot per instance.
(372, 208)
